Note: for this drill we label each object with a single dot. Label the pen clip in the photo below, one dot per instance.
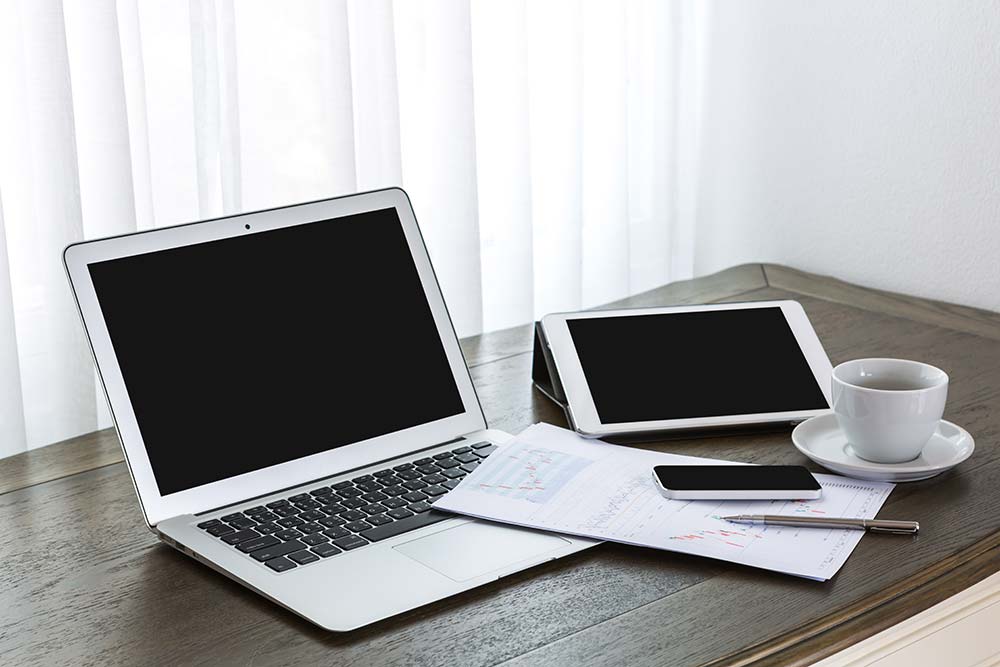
(894, 531)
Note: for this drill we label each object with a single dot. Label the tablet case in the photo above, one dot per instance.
(543, 370)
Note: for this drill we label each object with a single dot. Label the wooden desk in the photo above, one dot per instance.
(84, 582)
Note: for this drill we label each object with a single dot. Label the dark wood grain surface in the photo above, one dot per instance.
(84, 582)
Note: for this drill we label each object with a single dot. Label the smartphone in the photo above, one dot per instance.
(745, 482)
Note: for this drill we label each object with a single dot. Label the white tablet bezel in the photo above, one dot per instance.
(583, 413)
(157, 507)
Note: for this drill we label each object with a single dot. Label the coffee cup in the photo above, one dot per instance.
(888, 408)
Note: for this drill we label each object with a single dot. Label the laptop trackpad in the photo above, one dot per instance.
(474, 549)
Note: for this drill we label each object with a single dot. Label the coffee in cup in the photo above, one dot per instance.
(888, 408)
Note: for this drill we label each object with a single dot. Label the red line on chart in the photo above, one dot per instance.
(719, 536)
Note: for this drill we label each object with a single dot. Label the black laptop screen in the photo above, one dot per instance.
(250, 351)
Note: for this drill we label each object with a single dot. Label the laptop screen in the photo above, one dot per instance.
(251, 351)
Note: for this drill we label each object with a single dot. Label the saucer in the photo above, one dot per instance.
(821, 440)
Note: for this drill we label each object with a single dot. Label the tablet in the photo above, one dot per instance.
(688, 367)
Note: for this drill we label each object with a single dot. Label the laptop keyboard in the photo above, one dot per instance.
(308, 527)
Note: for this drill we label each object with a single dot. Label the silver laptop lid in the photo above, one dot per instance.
(253, 353)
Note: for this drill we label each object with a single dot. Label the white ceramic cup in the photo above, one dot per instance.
(888, 408)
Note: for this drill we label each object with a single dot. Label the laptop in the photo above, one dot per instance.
(292, 399)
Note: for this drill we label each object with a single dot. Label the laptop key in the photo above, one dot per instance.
(374, 508)
(407, 475)
(383, 473)
(358, 526)
(434, 479)
(402, 466)
(400, 513)
(286, 510)
(379, 519)
(393, 503)
(394, 490)
(435, 490)
(469, 467)
(321, 491)
(267, 528)
(325, 550)
(232, 517)
(337, 533)
(242, 523)
(312, 515)
(314, 539)
(220, 530)
(374, 496)
(441, 455)
(390, 480)
(353, 503)
(353, 515)
(283, 549)
(415, 496)
(419, 507)
(467, 457)
(277, 503)
(403, 526)
(240, 536)
(486, 451)
(451, 483)
(332, 521)
(349, 492)
(290, 522)
(280, 564)
(422, 462)
(339, 486)
(461, 450)
(258, 543)
(265, 516)
(481, 445)
(330, 504)
(363, 478)
(352, 542)
(208, 524)
(298, 497)
(309, 504)
(310, 528)
(427, 469)
(454, 473)
(288, 534)
(448, 463)
(303, 557)
(415, 484)
(368, 487)
(259, 509)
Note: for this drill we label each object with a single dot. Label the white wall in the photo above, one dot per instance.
(859, 139)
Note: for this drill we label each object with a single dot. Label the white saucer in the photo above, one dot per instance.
(821, 440)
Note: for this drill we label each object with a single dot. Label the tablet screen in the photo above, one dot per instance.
(698, 364)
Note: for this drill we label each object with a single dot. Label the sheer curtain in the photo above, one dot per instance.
(547, 146)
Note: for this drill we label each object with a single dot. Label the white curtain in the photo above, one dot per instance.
(547, 146)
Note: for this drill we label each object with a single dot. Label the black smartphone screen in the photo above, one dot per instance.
(736, 478)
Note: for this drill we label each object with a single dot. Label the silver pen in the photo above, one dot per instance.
(874, 525)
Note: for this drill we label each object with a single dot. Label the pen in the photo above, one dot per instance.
(874, 525)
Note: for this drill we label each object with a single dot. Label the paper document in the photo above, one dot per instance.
(553, 479)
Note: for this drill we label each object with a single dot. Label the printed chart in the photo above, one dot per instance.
(552, 479)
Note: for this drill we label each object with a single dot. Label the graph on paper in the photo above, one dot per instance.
(552, 479)
(532, 473)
